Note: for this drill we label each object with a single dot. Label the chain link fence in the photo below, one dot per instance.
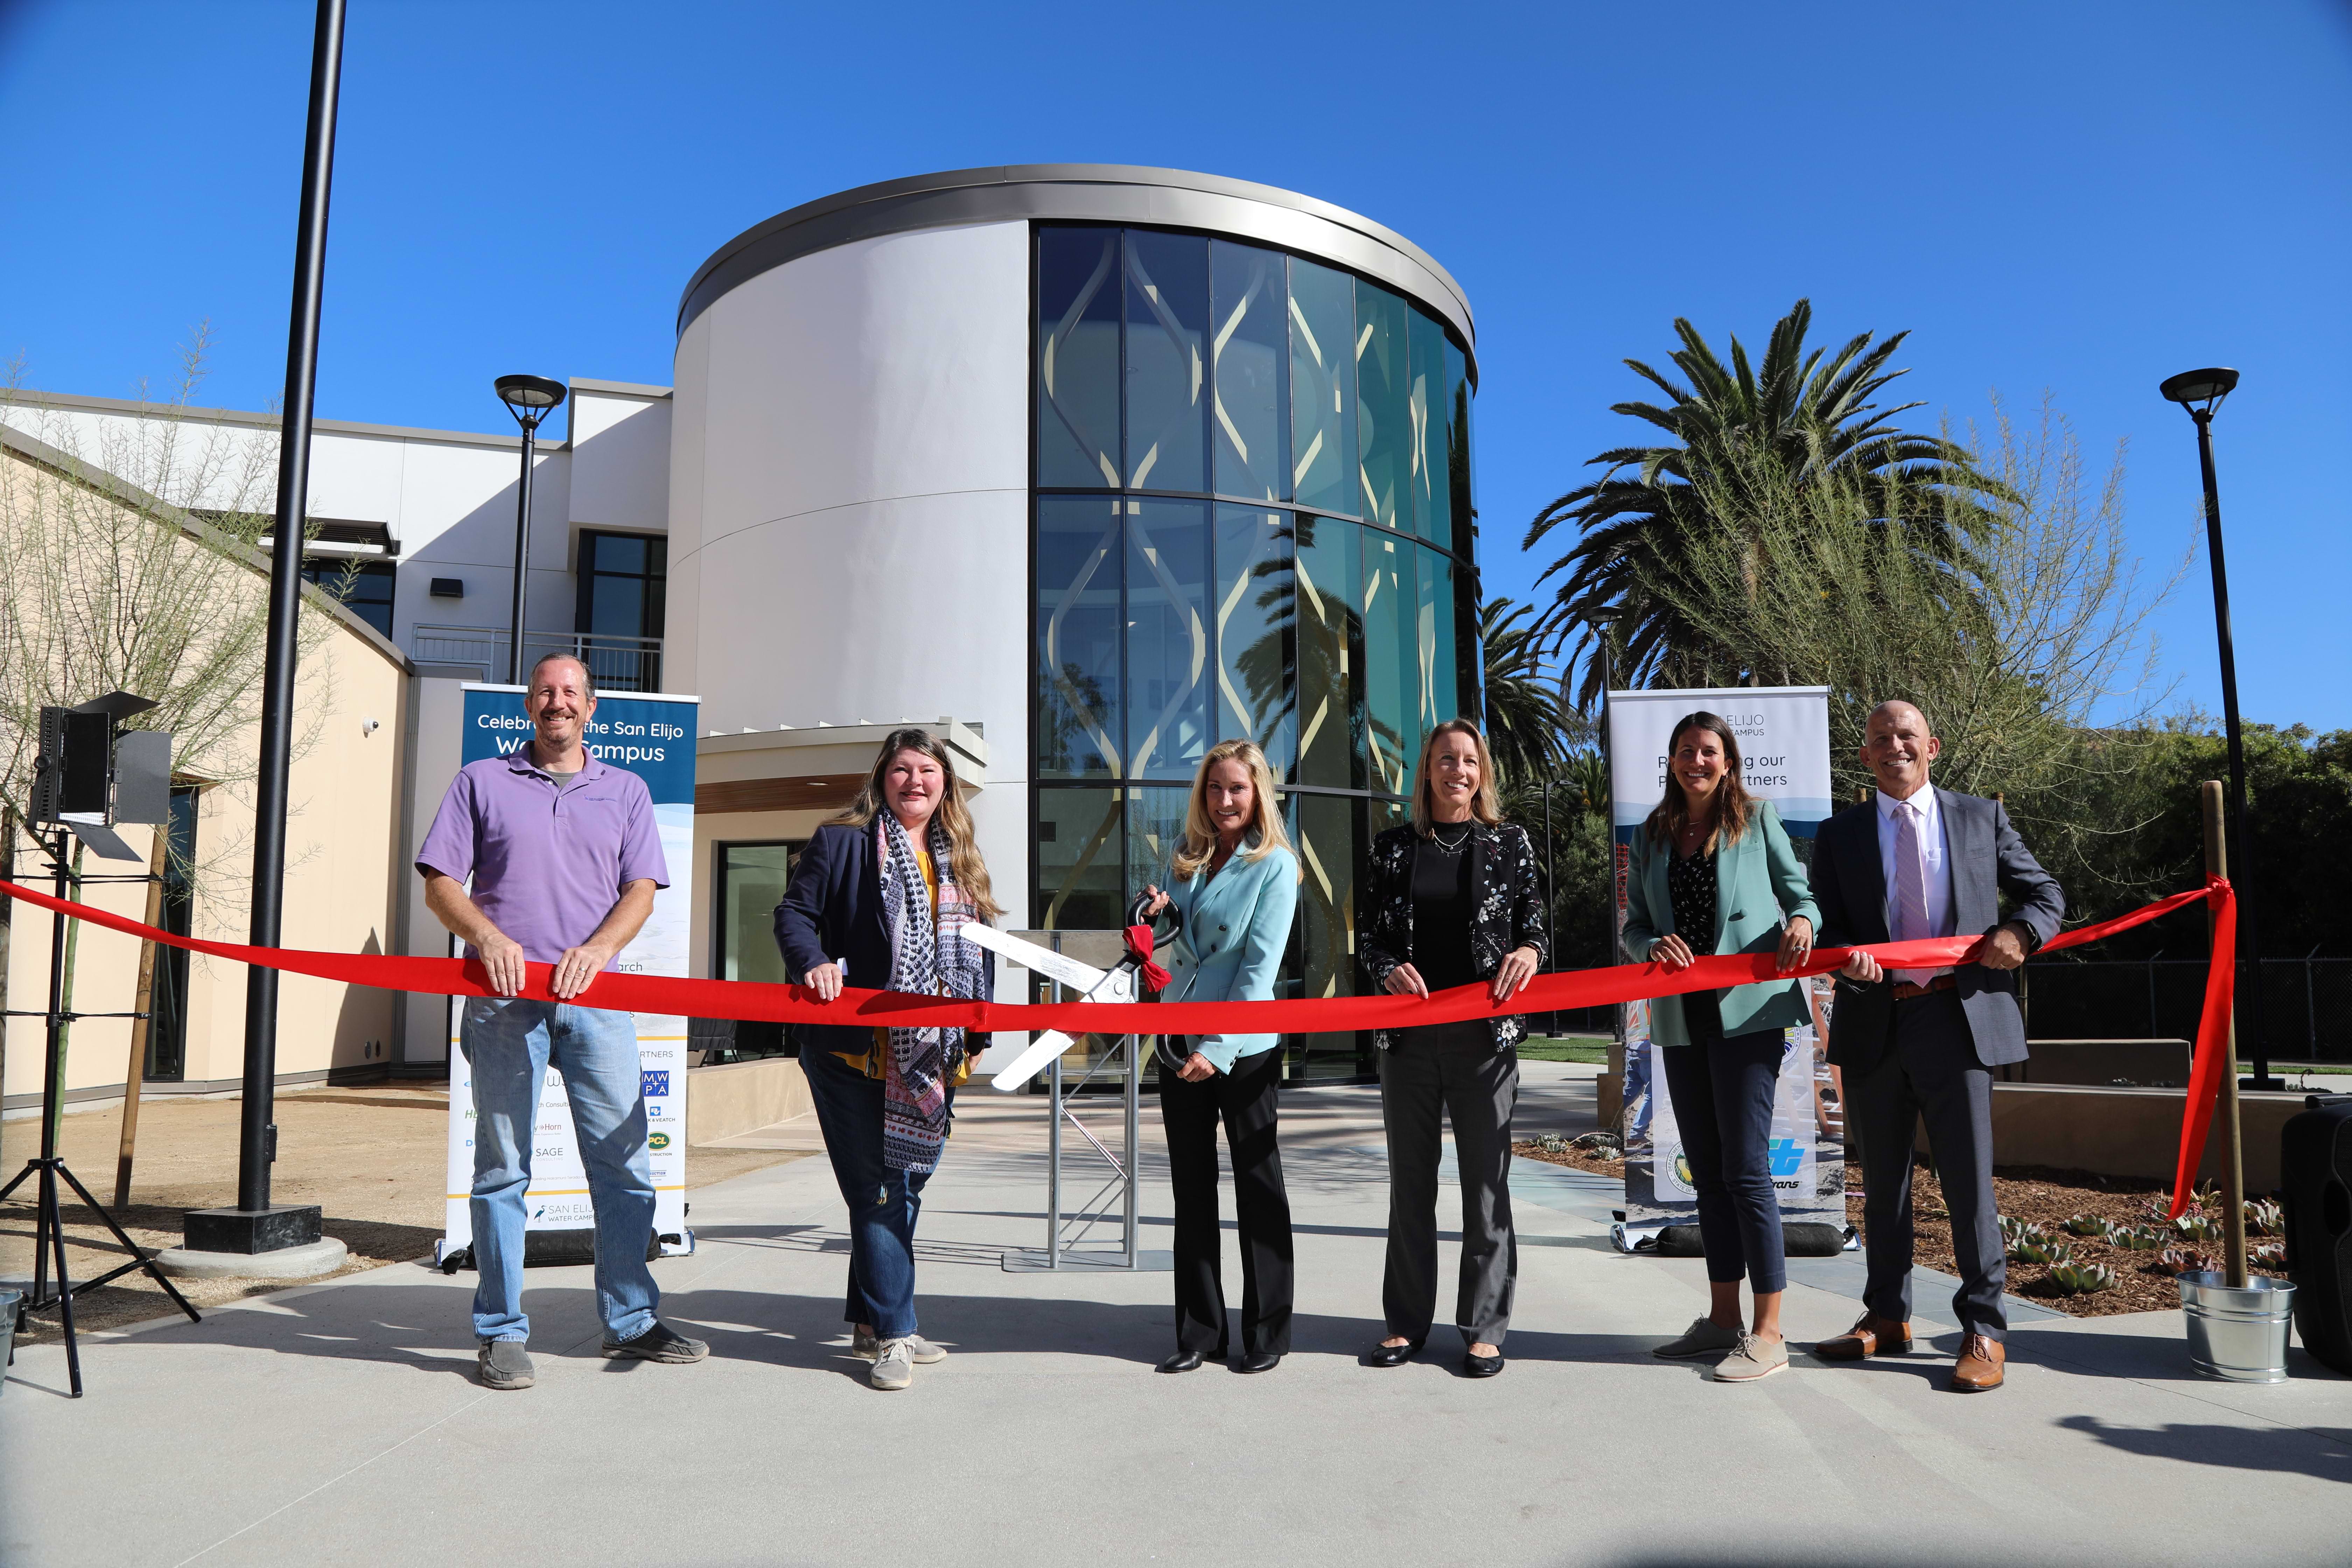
(2306, 1003)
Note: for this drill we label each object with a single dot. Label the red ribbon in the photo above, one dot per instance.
(1139, 948)
(751, 1000)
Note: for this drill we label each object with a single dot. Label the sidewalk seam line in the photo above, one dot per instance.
(331, 1480)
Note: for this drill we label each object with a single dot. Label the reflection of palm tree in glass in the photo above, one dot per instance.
(1079, 695)
(1309, 627)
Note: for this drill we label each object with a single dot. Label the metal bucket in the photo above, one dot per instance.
(2238, 1334)
(10, 1298)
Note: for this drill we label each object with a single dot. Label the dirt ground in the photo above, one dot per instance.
(2048, 1199)
(373, 1158)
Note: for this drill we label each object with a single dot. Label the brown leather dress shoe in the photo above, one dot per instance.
(1870, 1336)
(1980, 1366)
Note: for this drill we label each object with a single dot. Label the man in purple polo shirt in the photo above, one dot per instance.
(564, 857)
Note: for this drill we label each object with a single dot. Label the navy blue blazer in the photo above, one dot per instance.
(1987, 859)
(833, 912)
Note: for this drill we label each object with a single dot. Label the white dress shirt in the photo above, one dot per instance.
(1935, 851)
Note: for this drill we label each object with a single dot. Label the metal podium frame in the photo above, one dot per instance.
(1066, 1243)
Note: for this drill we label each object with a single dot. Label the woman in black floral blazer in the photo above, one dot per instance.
(1454, 901)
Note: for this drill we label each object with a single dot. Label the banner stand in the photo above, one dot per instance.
(1783, 735)
(652, 735)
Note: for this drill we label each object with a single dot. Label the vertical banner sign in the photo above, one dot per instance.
(651, 736)
(1784, 747)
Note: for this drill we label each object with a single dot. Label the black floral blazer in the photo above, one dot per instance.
(1504, 889)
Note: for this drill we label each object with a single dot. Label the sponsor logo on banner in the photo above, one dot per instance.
(658, 1140)
(654, 1085)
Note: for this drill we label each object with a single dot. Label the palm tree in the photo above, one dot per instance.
(1804, 422)
(1524, 713)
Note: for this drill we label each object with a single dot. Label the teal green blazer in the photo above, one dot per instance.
(1759, 886)
(1236, 928)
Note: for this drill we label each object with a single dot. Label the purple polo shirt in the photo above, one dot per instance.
(547, 867)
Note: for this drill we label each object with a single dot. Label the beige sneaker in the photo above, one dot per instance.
(894, 1366)
(1752, 1359)
(1702, 1338)
(866, 1347)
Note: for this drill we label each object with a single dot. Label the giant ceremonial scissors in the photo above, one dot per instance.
(1117, 983)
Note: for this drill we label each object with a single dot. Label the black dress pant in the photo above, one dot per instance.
(1244, 1099)
(1930, 1072)
(1477, 1090)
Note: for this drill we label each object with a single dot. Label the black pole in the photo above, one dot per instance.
(522, 550)
(2238, 857)
(257, 1136)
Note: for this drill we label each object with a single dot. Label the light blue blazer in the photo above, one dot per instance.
(1236, 928)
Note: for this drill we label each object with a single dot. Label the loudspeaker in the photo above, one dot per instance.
(2316, 1167)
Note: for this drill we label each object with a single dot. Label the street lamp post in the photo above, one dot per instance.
(530, 399)
(2200, 392)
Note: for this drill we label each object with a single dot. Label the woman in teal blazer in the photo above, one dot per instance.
(1236, 884)
(1713, 872)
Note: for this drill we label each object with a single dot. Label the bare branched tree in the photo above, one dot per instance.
(130, 560)
(2028, 652)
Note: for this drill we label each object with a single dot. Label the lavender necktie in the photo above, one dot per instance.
(1910, 888)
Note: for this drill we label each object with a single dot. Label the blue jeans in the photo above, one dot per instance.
(883, 1203)
(511, 1044)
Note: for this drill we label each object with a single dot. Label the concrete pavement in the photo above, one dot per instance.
(341, 1422)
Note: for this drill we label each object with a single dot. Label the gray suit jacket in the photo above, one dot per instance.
(1987, 859)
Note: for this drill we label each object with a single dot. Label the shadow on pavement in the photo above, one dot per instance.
(2236, 1447)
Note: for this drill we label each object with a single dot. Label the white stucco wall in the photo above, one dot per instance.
(848, 503)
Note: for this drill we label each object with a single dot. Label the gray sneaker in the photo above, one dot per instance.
(1753, 1359)
(894, 1365)
(658, 1343)
(866, 1346)
(506, 1364)
(1702, 1338)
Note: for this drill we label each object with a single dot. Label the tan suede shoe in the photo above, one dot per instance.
(1980, 1365)
(1869, 1336)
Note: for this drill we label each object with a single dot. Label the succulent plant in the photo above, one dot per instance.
(2087, 1225)
(1552, 1143)
(2265, 1217)
(2135, 1237)
(2268, 1254)
(2013, 1230)
(2082, 1278)
(2197, 1226)
(2039, 1250)
(2185, 1260)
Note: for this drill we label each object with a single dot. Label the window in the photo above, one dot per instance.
(623, 582)
(363, 586)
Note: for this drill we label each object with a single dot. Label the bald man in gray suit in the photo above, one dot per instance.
(1916, 861)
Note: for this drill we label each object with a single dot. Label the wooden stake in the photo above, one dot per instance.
(135, 1075)
(2233, 1170)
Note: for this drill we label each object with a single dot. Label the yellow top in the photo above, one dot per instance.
(869, 1061)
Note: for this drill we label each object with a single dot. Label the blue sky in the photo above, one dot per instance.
(2070, 201)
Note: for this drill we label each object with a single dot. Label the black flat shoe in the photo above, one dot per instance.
(1480, 1365)
(1182, 1360)
(1389, 1355)
(1262, 1360)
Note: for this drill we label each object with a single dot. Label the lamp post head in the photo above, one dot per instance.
(2200, 391)
(530, 397)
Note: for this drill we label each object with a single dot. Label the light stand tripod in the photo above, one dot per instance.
(49, 1228)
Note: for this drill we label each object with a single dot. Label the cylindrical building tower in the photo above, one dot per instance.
(1109, 463)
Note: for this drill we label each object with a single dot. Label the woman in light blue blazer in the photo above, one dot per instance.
(1713, 872)
(1235, 882)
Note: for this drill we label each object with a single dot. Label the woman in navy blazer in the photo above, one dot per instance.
(1235, 882)
(1713, 872)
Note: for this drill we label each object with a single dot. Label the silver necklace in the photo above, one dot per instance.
(1453, 847)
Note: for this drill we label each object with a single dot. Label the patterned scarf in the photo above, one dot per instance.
(925, 961)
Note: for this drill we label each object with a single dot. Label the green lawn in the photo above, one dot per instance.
(1589, 1048)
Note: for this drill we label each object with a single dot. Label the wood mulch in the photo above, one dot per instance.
(2047, 1198)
